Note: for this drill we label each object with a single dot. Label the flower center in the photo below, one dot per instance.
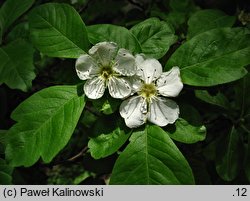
(106, 72)
(148, 91)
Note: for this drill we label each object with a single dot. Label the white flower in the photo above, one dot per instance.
(106, 66)
(152, 88)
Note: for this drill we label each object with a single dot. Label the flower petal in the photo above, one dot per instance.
(125, 63)
(169, 84)
(94, 88)
(119, 87)
(163, 111)
(149, 70)
(86, 67)
(133, 110)
(136, 83)
(104, 52)
(139, 58)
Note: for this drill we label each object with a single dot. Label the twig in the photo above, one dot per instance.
(81, 153)
(245, 128)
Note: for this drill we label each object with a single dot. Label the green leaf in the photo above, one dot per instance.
(204, 20)
(106, 104)
(176, 19)
(219, 99)
(83, 176)
(151, 158)
(57, 30)
(16, 66)
(88, 118)
(2, 140)
(109, 137)
(213, 57)
(21, 30)
(45, 123)
(12, 10)
(180, 10)
(155, 37)
(182, 5)
(190, 113)
(242, 101)
(107, 144)
(5, 173)
(229, 156)
(120, 35)
(187, 133)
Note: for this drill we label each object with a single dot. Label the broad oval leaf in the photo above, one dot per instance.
(182, 5)
(57, 30)
(229, 156)
(155, 37)
(214, 57)
(12, 10)
(204, 20)
(108, 32)
(219, 99)
(110, 136)
(151, 158)
(179, 12)
(16, 66)
(45, 123)
(177, 19)
(21, 30)
(187, 133)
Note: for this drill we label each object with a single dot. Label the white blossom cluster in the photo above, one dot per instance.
(136, 79)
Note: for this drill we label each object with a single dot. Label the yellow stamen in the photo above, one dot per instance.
(148, 91)
(106, 72)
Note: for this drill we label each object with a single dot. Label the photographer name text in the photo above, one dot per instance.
(53, 192)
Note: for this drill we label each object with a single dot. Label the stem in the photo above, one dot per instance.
(245, 128)
(81, 153)
(246, 116)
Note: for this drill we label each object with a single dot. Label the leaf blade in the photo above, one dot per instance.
(16, 67)
(155, 37)
(229, 156)
(151, 158)
(57, 30)
(187, 133)
(107, 137)
(224, 52)
(106, 144)
(11, 10)
(59, 109)
(204, 20)
(219, 99)
(113, 33)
